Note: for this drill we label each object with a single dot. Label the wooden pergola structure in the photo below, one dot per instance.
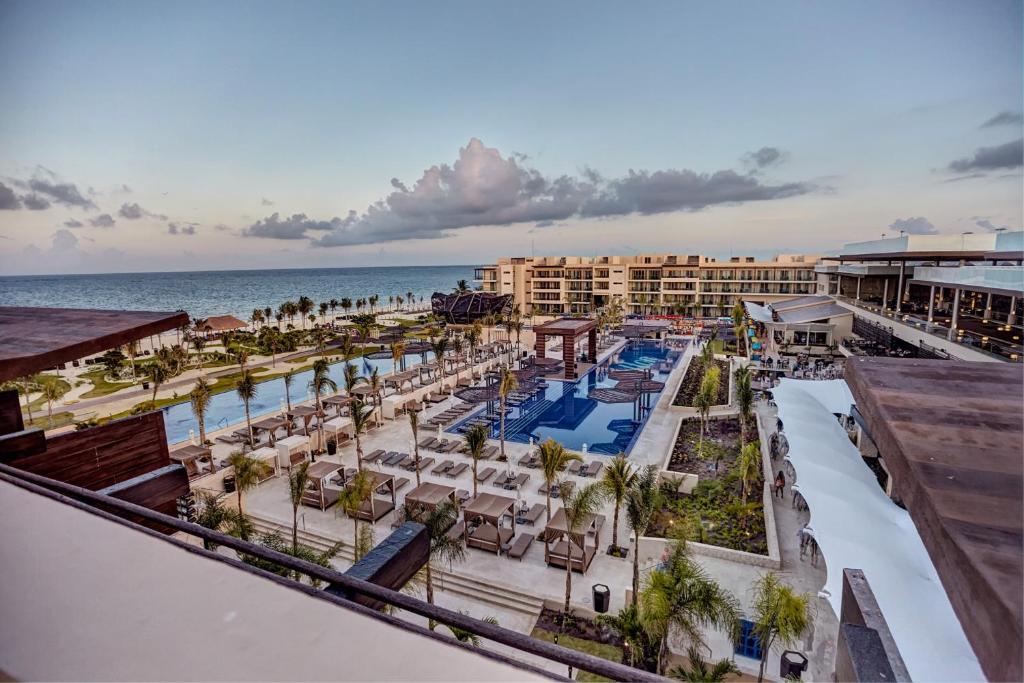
(571, 544)
(317, 494)
(569, 329)
(489, 509)
(428, 496)
(373, 509)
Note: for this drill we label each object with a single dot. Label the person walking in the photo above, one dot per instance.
(804, 537)
(780, 485)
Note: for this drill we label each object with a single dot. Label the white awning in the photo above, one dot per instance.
(758, 312)
(858, 527)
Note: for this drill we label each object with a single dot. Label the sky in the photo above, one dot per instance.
(153, 136)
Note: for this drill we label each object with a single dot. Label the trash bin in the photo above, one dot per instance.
(602, 597)
(792, 664)
(332, 448)
(145, 386)
(229, 484)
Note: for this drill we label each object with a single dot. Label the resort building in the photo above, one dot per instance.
(952, 296)
(647, 284)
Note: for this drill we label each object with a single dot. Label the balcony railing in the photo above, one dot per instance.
(114, 509)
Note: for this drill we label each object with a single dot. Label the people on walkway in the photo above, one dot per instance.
(804, 536)
(780, 485)
(814, 551)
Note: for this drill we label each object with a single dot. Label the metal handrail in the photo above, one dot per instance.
(85, 499)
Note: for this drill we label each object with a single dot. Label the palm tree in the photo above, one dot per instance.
(680, 594)
(248, 472)
(298, 479)
(268, 313)
(198, 343)
(472, 336)
(698, 671)
(409, 297)
(581, 505)
(748, 465)
(214, 515)
(51, 392)
(707, 352)
(707, 396)
(618, 478)
(288, 378)
(739, 317)
(356, 492)
(346, 304)
(640, 650)
(553, 459)
(256, 317)
(245, 387)
(442, 547)
(439, 346)
(507, 383)
(323, 312)
(744, 399)
(272, 338)
(464, 636)
(642, 503)
(476, 439)
(350, 374)
(26, 389)
(305, 307)
(376, 388)
(321, 383)
(462, 287)
(130, 349)
(397, 355)
(414, 425)
(361, 416)
(780, 614)
(200, 398)
(157, 373)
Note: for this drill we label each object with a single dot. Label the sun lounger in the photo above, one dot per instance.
(443, 467)
(501, 480)
(393, 458)
(525, 460)
(592, 469)
(400, 482)
(485, 475)
(489, 452)
(519, 481)
(520, 545)
(340, 479)
(424, 463)
(564, 489)
(405, 463)
(428, 442)
(456, 531)
(532, 515)
(375, 455)
(456, 470)
(463, 496)
(453, 445)
(575, 466)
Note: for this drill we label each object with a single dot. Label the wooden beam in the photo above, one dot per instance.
(153, 488)
(10, 412)
(22, 444)
(391, 563)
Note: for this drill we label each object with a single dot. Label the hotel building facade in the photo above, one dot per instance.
(647, 284)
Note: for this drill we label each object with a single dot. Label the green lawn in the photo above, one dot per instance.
(609, 652)
(41, 421)
(100, 385)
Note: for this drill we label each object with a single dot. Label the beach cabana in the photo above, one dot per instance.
(429, 496)
(306, 413)
(333, 429)
(268, 455)
(337, 402)
(219, 324)
(190, 456)
(317, 494)
(483, 518)
(559, 542)
(374, 508)
(269, 425)
(292, 449)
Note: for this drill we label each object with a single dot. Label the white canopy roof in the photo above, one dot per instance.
(857, 526)
(758, 312)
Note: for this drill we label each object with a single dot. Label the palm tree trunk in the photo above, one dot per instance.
(248, 423)
(238, 490)
(474, 477)
(416, 457)
(547, 498)
(568, 582)
(615, 526)
(359, 453)
(355, 536)
(636, 566)
(28, 403)
(202, 430)
(501, 405)
(295, 530)
(430, 585)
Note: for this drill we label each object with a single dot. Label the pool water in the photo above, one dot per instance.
(226, 408)
(563, 411)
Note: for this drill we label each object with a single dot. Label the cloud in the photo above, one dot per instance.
(66, 194)
(64, 241)
(134, 212)
(124, 189)
(914, 226)
(181, 228)
(8, 200)
(1004, 118)
(266, 202)
(482, 188)
(988, 225)
(766, 156)
(72, 223)
(34, 202)
(1007, 155)
(295, 227)
(104, 220)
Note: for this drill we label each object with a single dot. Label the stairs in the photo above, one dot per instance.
(478, 590)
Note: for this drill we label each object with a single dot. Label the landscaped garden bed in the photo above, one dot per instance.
(721, 445)
(583, 635)
(690, 385)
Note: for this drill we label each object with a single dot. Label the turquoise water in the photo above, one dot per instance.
(564, 413)
(226, 409)
(231, 292)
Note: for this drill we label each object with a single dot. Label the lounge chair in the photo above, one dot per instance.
(456, 470)
(400, 482)
(592, 469)
(502, 479)
(375, 455)
(443, 467)
(457, 530)
(485, 475)
(525, 460)
(463, 496)
(519, 481)
(405, 463)
(489, 452)
(424, 463)
(428, 442)
(532, 515)
(450, 446)
(575, 466)
(393, 458)
(520, 545)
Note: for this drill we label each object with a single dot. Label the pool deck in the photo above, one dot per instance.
(513, 591)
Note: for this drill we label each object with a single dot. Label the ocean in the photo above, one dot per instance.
(226, 292)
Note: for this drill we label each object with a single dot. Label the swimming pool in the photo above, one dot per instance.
(563, 412)
(227, 410)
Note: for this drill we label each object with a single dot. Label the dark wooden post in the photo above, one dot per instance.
(539, 345)
(592, 345)
(569, 355)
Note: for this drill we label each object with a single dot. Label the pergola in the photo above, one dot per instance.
(489, 508)
(270, 425)
(373, 509)
(569, 329)
(571, 543)
(428, 496)
(338, 402)
(305, 412)
(316, 493)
